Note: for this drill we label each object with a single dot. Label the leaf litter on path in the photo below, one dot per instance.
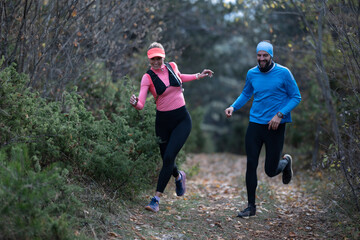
(215, 195)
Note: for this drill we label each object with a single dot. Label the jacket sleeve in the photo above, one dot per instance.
(183, 77)
(245, 95)
(293, 92)
(144, 88)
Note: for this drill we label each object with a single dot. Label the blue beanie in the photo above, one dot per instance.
(265, 46)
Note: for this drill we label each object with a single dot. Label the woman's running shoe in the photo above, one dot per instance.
(153, 205)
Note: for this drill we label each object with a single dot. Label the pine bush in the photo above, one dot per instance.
(34, 205)
(119, 148)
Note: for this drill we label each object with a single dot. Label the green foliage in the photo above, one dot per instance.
(196, 141)
(341, 205)
(114, 144)
(234, 140)
(34, 205)
(98, 90)
(13, 105)
(120, 150)
(122, 147)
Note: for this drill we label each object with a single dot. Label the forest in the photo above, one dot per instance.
(74, 152)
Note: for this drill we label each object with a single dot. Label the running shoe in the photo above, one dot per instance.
(153, 205)
(287, 172)
(180, 184)
(248, 212)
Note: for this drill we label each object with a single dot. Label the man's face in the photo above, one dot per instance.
(263, 58)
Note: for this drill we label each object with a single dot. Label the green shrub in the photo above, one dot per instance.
(196, 141)
(118, 148)
(34, 205)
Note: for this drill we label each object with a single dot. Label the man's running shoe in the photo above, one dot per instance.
(180, 184)
(153, 205)
(248, 212)
(287, 172)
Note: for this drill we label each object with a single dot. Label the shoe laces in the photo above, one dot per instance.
(153, 201)
(178, 182)
(249, 208)
(246, 209)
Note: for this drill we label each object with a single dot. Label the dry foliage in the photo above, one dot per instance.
(215, 193)
(56, 42)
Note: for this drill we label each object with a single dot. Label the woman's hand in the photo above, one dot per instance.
(134, 100)
(229, 111)
(205, 73)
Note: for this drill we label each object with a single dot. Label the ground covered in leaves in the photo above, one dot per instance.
(215, 193)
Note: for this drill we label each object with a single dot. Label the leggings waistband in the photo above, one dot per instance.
(176, 113)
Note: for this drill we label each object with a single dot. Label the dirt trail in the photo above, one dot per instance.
(216, 193)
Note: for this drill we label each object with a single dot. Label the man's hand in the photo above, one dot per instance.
(274, 123)
(229, 111)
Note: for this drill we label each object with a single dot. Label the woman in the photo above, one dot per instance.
(173, 122)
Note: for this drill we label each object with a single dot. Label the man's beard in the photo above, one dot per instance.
(266, 67)
(267, 64)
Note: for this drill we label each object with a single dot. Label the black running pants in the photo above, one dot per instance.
(256, 136)
(172, 128)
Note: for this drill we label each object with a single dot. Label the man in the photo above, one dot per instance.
(275, 95)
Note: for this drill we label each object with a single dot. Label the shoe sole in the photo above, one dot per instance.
(246, 217)
(151, 209)
(291, 170)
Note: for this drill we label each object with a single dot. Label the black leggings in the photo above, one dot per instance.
(172, 128)
(256, 136)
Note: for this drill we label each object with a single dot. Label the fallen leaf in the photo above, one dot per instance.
(218, 224)
(112, 234)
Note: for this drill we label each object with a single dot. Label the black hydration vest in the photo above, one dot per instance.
(159, 85)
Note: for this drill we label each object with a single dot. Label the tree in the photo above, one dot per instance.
(343, 18)
(56, 42)
(331, 28)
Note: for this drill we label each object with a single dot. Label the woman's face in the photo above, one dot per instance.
(156, 62)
